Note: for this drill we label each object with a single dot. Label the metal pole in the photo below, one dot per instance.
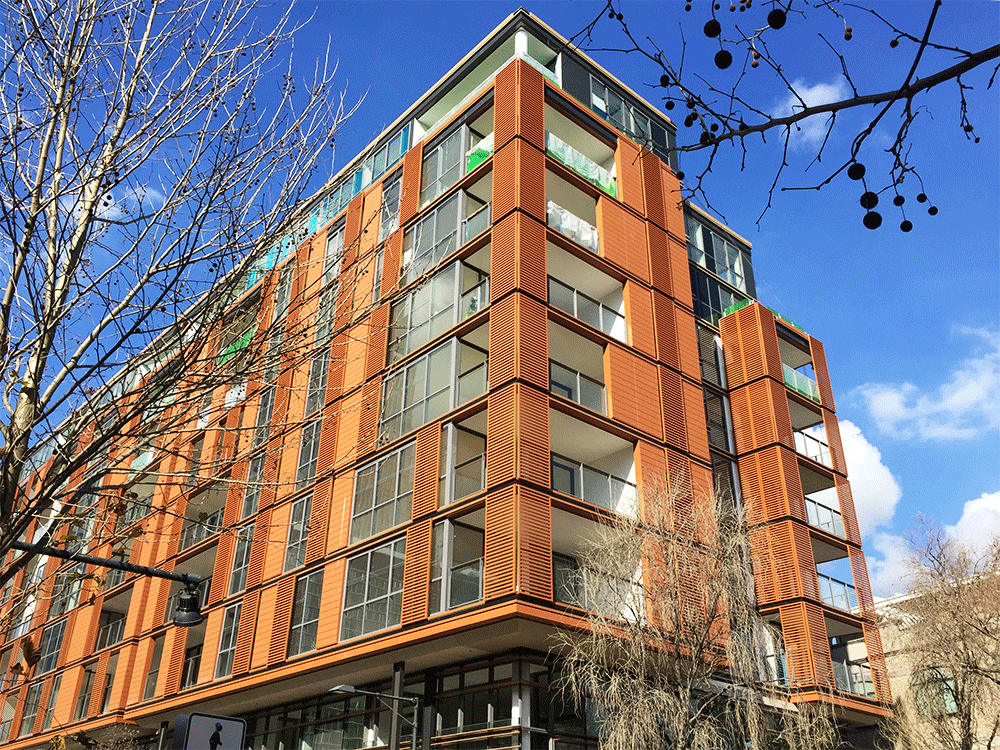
(396, 720)
(188, 579)
(416, 714)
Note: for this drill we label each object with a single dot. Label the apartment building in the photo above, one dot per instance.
(517, 327)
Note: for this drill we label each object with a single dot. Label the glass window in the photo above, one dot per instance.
(241, 559)
(308, 454)
(718, 254)
(373, 593)
(32, 699)
(318, 370)
(86, 689)
(48, 647)
(265, 408)
(462, 464)
(430, 240)
(67, 588)
(251, 495)
(298, 533)
(718, 421)
(390, 207)
(50, 704)
(305, 613)
(192, 663)
(283, 292)
(227, 641)
(383, 493)
(441, 167)
(456, 565)
(711, 298)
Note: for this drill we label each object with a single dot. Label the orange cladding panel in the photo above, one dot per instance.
(534, 457)
(862, 586)
(517, 257)
(622, 237)
(832, 427)
(535, 543)
(629, 174)
(500, 562)
(633, 390)
(519, 105)
(352, 230)
(652, 188)
(503, 342)
(378, 336)
(318, 516)
(220, 572)
(244, 634)
(694, 408)
(532, 342)
(370, 214)
(876, 660)
(639, 314)
(392, 255)
(795, 631)
(672, 206)
(368, 420)
(819, 642)
(687, 343)
(426, 470)
(659, 258)
(650, 468)
(333, 590)
(278, 647)
(409, 196)
(265, 628)
(503, 257)
(258, 549)
(518, 180)
(850, 518)
(501, 454)
(341, 503)
(665, 323)
(822, 373)
(416, 572)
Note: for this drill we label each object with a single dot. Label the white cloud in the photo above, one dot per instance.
(873, 486)
(979, 523)
(887, 556)
(809, 133)
(962, 408)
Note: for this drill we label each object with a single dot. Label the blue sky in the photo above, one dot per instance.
(910, 321)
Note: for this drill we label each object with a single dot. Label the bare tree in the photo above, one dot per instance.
(674, 653)
(730, 109)
(943, 639)
(144, 174)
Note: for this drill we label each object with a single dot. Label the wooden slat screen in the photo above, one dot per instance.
(687, 343)
(499, 564)
(409, 196)
(532, 342)
(258, 549)
(629, 174)
(694, 408)
(535, 543)
(832, 427)
(822, 372)
(652, 188)
(531, 104)
(620, 234)
(531, 264)
(352, 230)
(265, 627)
(862, 585)
(876, 661)
(330, 604)
(665, 321)
(795, 631)
(426, 468)
(505, 108)
(650, 469)
(639, 314)
(377, 340)
(504, 254)
(220, 571)
(850, 518)
(534, 457)
(173, 656)
(416, 572)
(371, 396)
(672, 198)
(274, 563)
(805, 561)
(319, 514)
(503, 342)
(633, 390)
(659, 259)
(392, 256)
(245, 632)
(820, 644)
(210, 646)
(278, 648)
(501, 453)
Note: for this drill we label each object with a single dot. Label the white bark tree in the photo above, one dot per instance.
(674, 653)
(150, 153)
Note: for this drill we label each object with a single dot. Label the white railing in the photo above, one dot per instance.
(581, 164)
(572, 226)
(577, 387)
(590, 484)
(589, 310)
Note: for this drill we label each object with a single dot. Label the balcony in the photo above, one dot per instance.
(480, 152)
(457, 563)
(111, 632)
(590, 484)
(577, 387)
(591, 311)
(808, 444)
(572, 226)
(198, 530)
(854, 678)
(476, 222)
(587, 168)
(800, 383)
(824, 517)
(837, 593)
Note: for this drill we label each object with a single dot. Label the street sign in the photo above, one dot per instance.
(207, 732)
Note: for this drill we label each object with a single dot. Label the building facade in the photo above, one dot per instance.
(516, 326)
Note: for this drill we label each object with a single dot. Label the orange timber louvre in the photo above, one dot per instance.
(516, 345)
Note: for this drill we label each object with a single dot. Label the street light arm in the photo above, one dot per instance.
(190, 580)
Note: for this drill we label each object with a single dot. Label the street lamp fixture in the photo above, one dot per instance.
(414, 699)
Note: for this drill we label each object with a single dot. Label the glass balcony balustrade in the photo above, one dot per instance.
(577, 387)
(584, 166)
(590, 484)
(476, 298)
(824, 517)
(587, 309)
(837, 593)
(196, 531)
(470, 476)
(812, 447)
(800, 383)
(110, 633)
(478, 221)
(466, 583)
(854, 678)
(480, 152)
(572, 226)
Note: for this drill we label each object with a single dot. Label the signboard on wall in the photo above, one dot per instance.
(207, 732)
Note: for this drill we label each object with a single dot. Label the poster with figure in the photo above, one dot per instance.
(207, 732)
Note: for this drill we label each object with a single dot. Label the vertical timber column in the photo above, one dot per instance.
(518, 511)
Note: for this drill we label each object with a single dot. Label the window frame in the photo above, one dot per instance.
(305, 473)
(444, 567)
(298, 532)
(49, 645)
(399, 500)
(395, 552)
(226, 655)
(302, 626)
(241, 559)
